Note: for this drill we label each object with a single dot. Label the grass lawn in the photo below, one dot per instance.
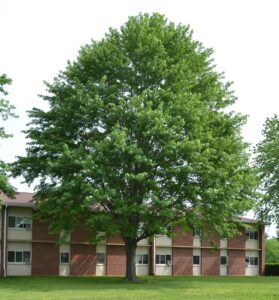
(81, 288)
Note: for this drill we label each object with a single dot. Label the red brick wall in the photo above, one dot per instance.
(210, 262)
(40, 232)
(83, 259)
(212, 241)
(116, 260)
(45, 259)
(238, 241)
(115, 239)
(262, 251)
(80, 235)
(182, 261)
(236, 262)
(181, 238)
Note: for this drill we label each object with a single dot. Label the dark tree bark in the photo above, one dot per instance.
(131, 245)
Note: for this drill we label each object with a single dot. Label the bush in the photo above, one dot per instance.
(272, 269)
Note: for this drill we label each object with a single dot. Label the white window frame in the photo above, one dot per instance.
(196, 233)
(142, 260)
(26, 225)
(252, 235)
(60, 258)
(250, 261)
(99, 263)
(23, 262)
(167, 262)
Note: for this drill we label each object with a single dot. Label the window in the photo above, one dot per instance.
(142, 259)
(223, 260)
(64, 257)
(100, 258)
(196, 260)
(19, 256)
(252, 235)
(20, 222)
(196, 233)
(163, 259)
(252, 261)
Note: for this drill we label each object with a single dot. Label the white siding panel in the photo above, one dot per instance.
(163, 240)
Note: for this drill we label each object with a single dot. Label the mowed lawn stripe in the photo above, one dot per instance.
(184, 287)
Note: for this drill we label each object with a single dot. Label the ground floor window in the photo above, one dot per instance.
(196, 260)
(19, 256)
(142, 259)
(163, 259)
(100, 258)
(252, 261)
(64, 257)
(223, 260)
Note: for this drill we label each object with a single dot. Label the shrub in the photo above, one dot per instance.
(272, 269)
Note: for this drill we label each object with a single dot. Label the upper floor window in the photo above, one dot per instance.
(196, 233)
(19, 257)
(142, 259)
(252, 235)
(20, 222)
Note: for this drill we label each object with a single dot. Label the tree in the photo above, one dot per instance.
(137, 138)
(6, 111)
(272, 251)
(267, 160)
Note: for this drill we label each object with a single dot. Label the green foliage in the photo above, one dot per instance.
(272, 251)
(138, 136)
(267, 160)
(6, 111)
(272, 269)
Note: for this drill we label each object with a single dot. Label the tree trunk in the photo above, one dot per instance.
(131, 246)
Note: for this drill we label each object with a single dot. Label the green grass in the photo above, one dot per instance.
(81, 288)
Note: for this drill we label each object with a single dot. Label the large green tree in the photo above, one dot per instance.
(138, 136)
(6, 111)
(267, 160)
(272, 250)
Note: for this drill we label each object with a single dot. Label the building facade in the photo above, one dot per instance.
(28, 249)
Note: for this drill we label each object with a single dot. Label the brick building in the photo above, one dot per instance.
(28, 249)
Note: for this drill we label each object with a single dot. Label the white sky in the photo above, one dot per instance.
(39, 36)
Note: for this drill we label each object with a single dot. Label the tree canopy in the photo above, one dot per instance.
(267, 160)
(6, 111)
(272, 250)
(138, 136)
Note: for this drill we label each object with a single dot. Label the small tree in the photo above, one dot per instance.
(267, 159)
(137, 138)
(6, 111)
